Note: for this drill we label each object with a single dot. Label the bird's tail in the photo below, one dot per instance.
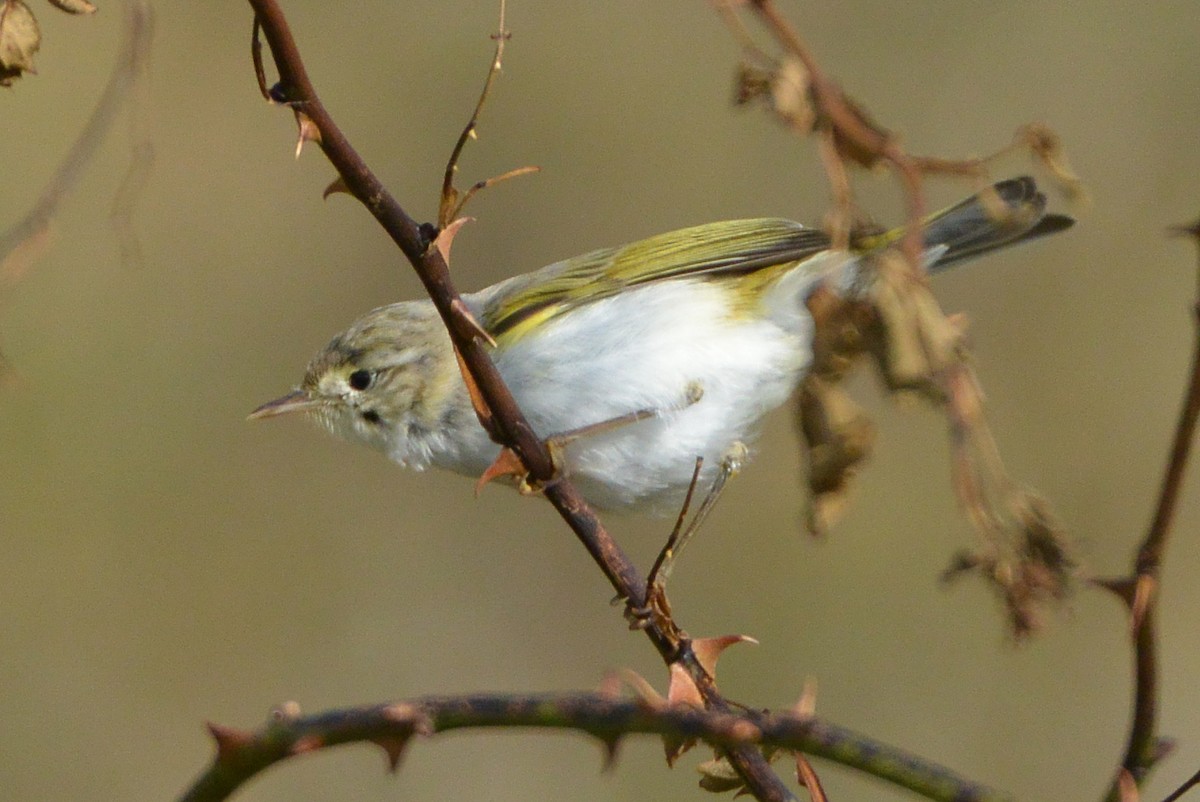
(1006, 213)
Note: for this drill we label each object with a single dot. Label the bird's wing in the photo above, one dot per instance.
(716, 249)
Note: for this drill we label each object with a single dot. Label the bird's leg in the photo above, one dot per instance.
(657, 607)
(556, 444)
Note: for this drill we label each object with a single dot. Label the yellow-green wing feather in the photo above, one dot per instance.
(727, 248)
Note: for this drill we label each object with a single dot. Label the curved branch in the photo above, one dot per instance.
(242, 754)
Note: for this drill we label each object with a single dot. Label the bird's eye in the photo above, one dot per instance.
(360, 379)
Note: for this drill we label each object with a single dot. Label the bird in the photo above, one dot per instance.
(683, 341)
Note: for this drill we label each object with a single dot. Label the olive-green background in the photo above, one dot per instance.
(163, 562)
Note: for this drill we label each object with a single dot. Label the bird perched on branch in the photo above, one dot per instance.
(682, 342)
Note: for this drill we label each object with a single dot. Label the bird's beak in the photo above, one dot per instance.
(295, 401)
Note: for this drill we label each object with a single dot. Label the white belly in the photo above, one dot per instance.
(643, 350)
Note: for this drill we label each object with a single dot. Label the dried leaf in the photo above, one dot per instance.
(1046, 146)
(19, 40)
(751, 83)
(851, 150)
(790, 96)
(719, 776)
(914, 342)
(838, 436)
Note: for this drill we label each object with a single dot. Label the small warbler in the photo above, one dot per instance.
(705, 328)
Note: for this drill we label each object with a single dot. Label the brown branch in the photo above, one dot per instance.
(242, 754)
(297, 91)
(1188, 785)
(1144, 747)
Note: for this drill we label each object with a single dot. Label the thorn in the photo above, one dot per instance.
(675, 747)
(610, 685)
(1186, 230)
(393, 748)
(462, 311)
(709, 650)
(445, 237)
(1127, 788)
(230, 741)
(1123, 588)
(507, 463)
(643, 691)
(806, 705)
(807, 777)
(307, 131)
(682, 689)
(1163, 747)
(611, 745)
(1143, 596)
(309, 743)
(337, 185)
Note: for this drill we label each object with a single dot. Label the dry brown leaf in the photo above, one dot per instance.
(838, 436)
(719, 776)
(20, 39)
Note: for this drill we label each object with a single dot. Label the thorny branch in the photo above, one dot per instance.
(1140, 590)
(510, 427)
(605, 716)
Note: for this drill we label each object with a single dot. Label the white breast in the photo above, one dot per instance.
(643, 349)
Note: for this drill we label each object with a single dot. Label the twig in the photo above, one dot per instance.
(296, 90)
(452, 201)
(242, 754)
(1140, 591)
(130, 63)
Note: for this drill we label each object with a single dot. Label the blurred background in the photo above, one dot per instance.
(163, 562)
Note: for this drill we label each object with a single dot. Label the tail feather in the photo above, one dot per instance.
(975, 226)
